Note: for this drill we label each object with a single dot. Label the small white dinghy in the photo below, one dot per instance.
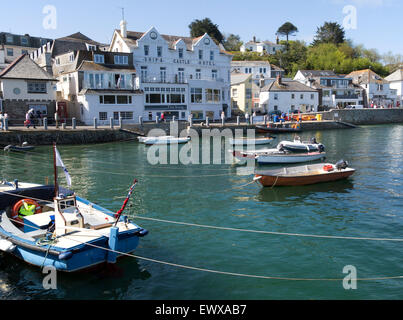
(163, 140)
(299, 146)
(247, 141)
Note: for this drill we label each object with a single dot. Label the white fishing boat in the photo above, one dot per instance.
(163, 140)
(248, 141)
(282, 157)
(252, 154)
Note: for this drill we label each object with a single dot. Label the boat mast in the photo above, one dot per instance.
(55, 170)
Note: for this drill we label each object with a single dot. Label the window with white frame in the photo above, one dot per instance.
(9, 39)
(37, 87)
(211, 55)
(214, 74)
(99, 58)
(198, 74)
(121, 60)
(196, 95)
(10, 52)
(180, 53)
(146, 50)
(24, 41)
(159, 51)
(200, 54)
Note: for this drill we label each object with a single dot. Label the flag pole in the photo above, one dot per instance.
(55, 170)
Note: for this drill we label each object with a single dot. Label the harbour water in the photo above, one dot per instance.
(367, 205)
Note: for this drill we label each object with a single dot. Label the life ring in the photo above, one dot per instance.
(25, 208)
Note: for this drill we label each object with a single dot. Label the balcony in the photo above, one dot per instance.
(346, 96)
(175, 79)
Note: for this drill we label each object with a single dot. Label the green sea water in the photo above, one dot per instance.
(370, 204)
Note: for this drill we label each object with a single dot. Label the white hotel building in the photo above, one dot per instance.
(180, 76)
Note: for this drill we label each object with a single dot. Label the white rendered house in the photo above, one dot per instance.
(396, 83)
(288, 95)
(180, 76)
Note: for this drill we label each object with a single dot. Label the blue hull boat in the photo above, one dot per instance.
(66, 232)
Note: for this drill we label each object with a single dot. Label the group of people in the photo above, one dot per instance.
(31, 117)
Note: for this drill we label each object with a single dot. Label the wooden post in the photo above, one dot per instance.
(74, 123)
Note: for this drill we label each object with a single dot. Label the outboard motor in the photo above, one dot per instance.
(313, 141)
(321, 148)
(341, 165)
(280, 147)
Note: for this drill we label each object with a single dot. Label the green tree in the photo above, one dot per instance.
(330, 32)
(232, 42)
(287, 29)
(200, 27)
(292, 59)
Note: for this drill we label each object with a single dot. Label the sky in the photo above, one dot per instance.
(373, 23)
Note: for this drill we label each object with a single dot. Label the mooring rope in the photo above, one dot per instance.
(241, 230)
(218, 271)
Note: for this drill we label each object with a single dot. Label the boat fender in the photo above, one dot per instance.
(65, 255)
(7, 246)
(141, 233)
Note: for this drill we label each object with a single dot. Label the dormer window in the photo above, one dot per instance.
(9, 39)
(121, 60)
(91, 47)
(71, 57)
(180, 51)
(24, 41)
(99, 58)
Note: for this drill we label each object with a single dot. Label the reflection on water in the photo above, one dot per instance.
(300, 193)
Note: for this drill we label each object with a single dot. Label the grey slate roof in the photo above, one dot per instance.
(32, 42)
(74, 42)
(237, 78)
(25, 68)
(288, 86)
(318, 73)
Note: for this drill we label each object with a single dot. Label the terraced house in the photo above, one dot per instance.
(180, 76)
(13, 46)
(99, 84)
(335, 91)
(24, 86)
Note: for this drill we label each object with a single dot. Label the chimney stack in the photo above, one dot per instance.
(123, 28)
(254, 38)
(279, 79)
(278, 40)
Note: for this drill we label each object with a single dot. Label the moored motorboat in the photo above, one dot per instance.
(286, 157)
(248, 141)
(46, 225)
(22, 148)
(282, 129)
(299, 146)
(163, 140)
(304, 175)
